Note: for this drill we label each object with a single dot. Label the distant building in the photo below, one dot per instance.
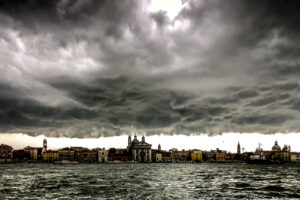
(276, 147)
(50, 156)
(280, 155)
(20, 155)
(6, 153)
(141, 151)
(220, 155)
(86, 156)
(35, 152)
(180, 156)
(102, 156)
(196, 155)
(295, 157)
(215, 155)
(66, 154)
(158, 157)
(119, 155)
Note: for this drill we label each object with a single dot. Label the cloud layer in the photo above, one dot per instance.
(105, 68)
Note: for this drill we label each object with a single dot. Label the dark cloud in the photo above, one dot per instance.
(268, 99)
(273, 119)
(104, 68)
(247, 94)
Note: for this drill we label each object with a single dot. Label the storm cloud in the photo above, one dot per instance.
(106, 68)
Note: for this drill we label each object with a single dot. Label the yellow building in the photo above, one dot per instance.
(50, 156)
(158, 157)
(196, 155)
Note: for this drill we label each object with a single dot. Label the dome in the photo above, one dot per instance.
(276, 147)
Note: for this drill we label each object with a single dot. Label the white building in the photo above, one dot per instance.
(295, 157)
(102, 156)
(141, 151)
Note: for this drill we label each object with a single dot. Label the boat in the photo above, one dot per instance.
(65, 162)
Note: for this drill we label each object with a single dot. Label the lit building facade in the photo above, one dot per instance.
(50, 156)
(196, 155)
(141, 151)
(102, 156)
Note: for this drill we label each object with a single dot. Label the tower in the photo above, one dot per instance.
(238, 148)
(159, 147)
(129, 140)
(143, 139)
(44, 145)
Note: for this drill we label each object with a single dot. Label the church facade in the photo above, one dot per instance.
(141, 151)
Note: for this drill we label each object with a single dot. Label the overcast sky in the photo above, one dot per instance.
(107, 68)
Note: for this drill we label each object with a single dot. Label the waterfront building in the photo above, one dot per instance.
(35, 152)
(209, 155)
(102, 156)
(196, 155)
(66, 154)
(232, 156)
(215, 155)
(166, 156)
(140, 150)
(180, 156)
(119, 155)
(20, 155)
(86, 156)
(158, 157)
(295, 157)
(50, 156)
(6, 153)
(220, 155)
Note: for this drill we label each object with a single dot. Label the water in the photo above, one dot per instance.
(149, 181)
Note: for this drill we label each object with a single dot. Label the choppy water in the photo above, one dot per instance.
(149, 181)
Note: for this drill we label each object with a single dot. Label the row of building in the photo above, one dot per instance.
(142, 152)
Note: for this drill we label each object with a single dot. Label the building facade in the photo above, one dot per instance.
(102, 156)
(50, 156)
(196, 155)
(141, 151)
(66, 154)
(6, 153)
(158, 157)
(35, 152)
(295, 157)
(86, 156)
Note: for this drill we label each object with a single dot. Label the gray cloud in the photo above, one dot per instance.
(104, 68)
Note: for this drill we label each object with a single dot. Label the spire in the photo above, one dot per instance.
(143, 139)
(159, 147)
(239, 148)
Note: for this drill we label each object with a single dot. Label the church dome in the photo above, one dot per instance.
(276, 147)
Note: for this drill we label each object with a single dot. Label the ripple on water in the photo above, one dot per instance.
(148, 181)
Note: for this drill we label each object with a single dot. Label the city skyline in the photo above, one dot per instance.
(227, 142)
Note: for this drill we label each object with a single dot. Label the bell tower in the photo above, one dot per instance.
(143, 139)
(44, 145)
(129, 140)
(238, 148)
